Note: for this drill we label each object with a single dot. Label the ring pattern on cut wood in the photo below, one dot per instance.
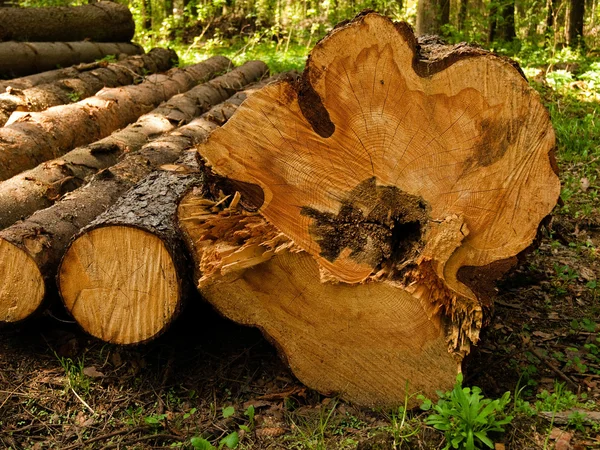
(387, 169)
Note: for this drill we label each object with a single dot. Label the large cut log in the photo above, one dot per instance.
(85, 84)
(24, 58)
(139, 235)
(38, 188)
(383, 194)
(100, 22)
(30, 250)
(40, 136)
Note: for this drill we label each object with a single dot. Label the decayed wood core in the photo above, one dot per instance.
(123, 273)
(21, 274)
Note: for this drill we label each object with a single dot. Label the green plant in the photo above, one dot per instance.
(74, 96)
(74, 376)
(311, 429)
(466, 417)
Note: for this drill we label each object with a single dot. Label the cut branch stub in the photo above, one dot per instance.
(387, 168)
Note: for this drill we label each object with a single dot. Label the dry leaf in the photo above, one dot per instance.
(92, 372)
(584, 184)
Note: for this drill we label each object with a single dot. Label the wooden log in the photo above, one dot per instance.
(53, 75)
(100, 22)
(85, 84)
(40, 136)
(24, 58)
(30, 250)
(139, 235)
(40, 187)
(384, 194)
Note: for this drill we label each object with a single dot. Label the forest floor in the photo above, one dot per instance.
(207, 377)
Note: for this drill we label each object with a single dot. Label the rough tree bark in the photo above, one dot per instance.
(380, 199)
(31, 250)
(100, 22)
(140, 308)
(40, 187)
(52, 75)
(40, 136)
(24, 58)
(86, 83)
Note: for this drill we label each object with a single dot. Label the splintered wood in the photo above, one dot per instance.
(381, 196)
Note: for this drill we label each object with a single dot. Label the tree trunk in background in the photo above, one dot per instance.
(24, 58)
(462, 14)
(431, 15)
(147, 14)
(502, 21)
(99, 22)
(367, 217)
(576, 16)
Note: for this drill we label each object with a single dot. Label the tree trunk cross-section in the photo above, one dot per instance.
(381, 195)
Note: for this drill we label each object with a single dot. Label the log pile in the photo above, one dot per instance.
(358, 215)
(38, 39)
(41, 239)
(39, 136)
(85, 84)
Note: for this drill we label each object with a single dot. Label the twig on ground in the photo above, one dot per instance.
(127, 444)
(556, 370)
(89, 408)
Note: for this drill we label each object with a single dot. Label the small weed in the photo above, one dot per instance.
(74, 375)
(466, 417)
(108, 59)
(311, 430)
(74, 96)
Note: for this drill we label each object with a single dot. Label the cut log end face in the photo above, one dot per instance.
(21, 278)
(386, 170)
(131, 311)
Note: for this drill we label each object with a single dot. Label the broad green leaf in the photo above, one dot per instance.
(228, 412)
(230, 441)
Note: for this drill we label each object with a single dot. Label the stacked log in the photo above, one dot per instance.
(380, 197)
(38, 39)
(40, 187)
(85, 84)
(139, 235)
(53, 75)
(101, 22)
(24, 58)
(40, 136)
(31, 250)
